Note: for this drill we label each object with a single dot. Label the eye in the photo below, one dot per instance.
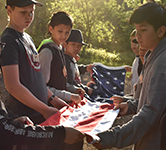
(60, 31)
(23, 12)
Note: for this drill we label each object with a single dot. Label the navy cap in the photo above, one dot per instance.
(22, 3)
(76, 36)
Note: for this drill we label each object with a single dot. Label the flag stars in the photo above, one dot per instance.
(95, 87)
(115, 78)
(101, 75)
(121, 92)
(108, 73)
(123, 73)
(107, 82)
(122, 83)
(114, 87)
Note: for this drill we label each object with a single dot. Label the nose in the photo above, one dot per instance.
(138, 34)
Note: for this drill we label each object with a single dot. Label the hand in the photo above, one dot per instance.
(75, 98)
(123, 108)
(128, 68)
(89, 68)
(97, 145)
(131, 76)
(58, 103)
(49, 112)
(80, 91)
(90, 90)
(117, 100)
(73, 135)
(90, 82)
(24, 120)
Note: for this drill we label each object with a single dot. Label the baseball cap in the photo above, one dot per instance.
(22, 3)
(76, 36)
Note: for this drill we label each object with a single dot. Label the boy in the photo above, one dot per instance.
(135, 65)
(52, 56)
(22, 136)
(21, 68)
(143, 130)
(73, 46)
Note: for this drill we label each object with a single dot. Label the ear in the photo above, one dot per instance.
(161, 31)
(9, 10)
(50, 28)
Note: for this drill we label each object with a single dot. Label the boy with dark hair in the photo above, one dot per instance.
(52, 57)
(73, 46)
(143, 130)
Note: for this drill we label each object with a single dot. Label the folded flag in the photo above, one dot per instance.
(109, 81)
(89, 118)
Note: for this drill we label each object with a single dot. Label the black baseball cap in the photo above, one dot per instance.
(76, 36)
(22, 3)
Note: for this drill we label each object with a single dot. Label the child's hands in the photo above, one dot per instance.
(75, 98)
(80, 91)
(117, 100)
(128, 68)
(73, 135)
(58, 103)
(49, 112)
(123, 108)
(89, 68)
(90, 82)
(90, 90)
(24, 120)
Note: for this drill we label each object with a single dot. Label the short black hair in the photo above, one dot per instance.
(60, 17)
(152, 13)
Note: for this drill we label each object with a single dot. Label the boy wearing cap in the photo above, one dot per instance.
(22, 74)
(73, 46)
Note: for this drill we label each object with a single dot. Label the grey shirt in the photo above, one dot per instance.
(143, 129)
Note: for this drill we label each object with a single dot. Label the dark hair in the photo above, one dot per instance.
(152, 13)
(60, 17)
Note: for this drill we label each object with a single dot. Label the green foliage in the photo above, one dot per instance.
(104, 24)
(91, 55)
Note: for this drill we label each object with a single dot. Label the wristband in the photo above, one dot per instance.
(51, 98)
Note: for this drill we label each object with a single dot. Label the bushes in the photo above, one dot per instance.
(90, 55)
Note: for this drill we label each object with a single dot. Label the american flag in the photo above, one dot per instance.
(109, 81)
(91, 116)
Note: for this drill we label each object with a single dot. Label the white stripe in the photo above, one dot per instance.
(107, 67)
(81, 113)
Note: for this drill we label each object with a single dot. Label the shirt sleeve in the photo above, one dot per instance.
(30, 136)
(45, 57)
(9, 55)
(62, 94)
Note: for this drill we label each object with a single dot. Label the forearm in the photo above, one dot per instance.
(19, 134)
(65, 95)
(22, 94)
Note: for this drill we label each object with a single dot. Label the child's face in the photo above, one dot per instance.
(134, 46)
(21, 17)
(146, 35)
(72, 48)
(60, 33)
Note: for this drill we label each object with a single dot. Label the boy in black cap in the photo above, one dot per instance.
(28, 94)
(73, 46)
